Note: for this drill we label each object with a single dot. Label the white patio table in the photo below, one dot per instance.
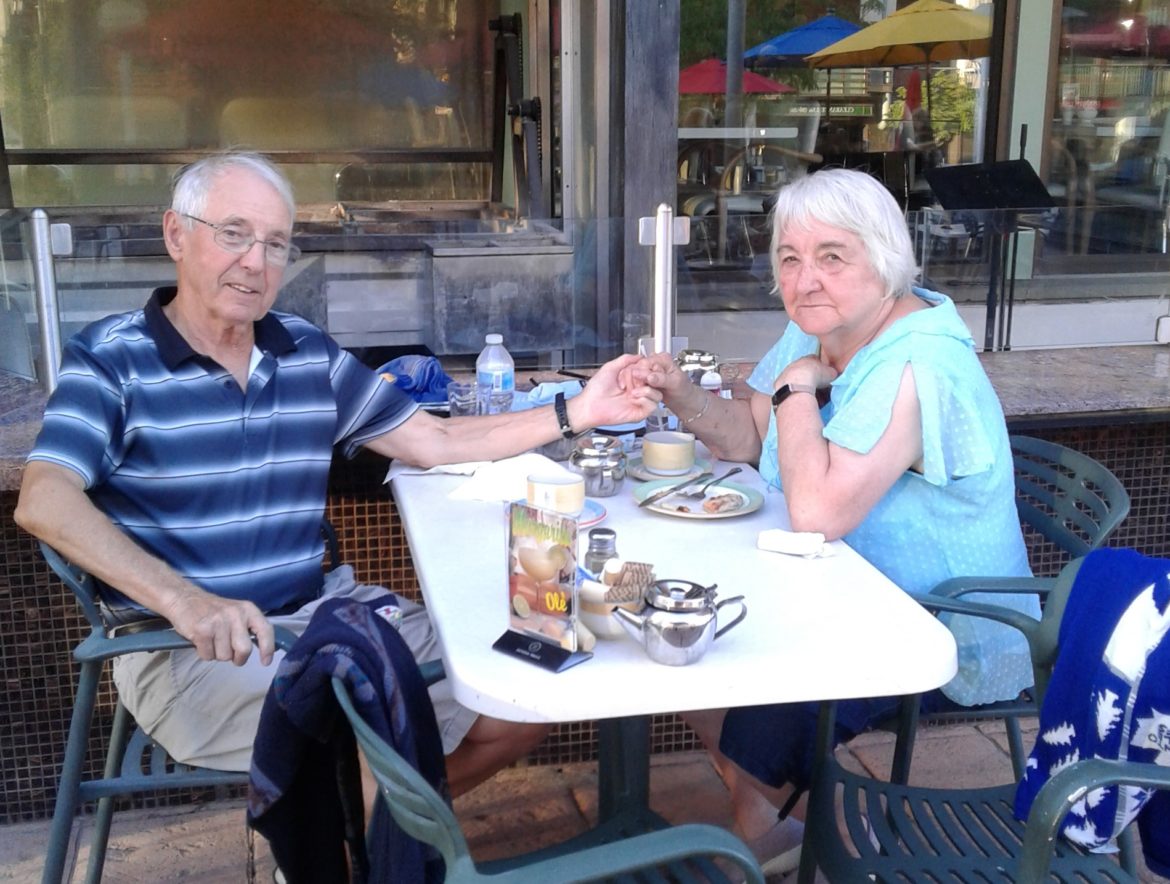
(821, 628)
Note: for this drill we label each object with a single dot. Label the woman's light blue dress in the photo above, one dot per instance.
(958, 517)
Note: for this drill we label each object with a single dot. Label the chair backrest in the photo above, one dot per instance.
(81, 582)
(417, 808)
(1067, 497)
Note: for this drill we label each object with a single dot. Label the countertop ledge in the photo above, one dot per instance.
(1069, 386)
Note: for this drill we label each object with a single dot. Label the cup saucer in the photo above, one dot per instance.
(636, 469)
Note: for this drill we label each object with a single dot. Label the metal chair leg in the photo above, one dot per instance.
(103, 817)
(69, 786)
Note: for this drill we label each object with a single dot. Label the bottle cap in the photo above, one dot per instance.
(493, 339)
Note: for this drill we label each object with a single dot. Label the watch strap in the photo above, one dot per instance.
(562, 412)
(786, 390)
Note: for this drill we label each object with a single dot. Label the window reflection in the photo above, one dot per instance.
(925, 108)
(160, 76)
(1110, 146)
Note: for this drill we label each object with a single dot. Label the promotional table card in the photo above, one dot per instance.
(542, 588)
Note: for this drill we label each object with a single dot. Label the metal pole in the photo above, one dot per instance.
(48, 313)
(663, 278)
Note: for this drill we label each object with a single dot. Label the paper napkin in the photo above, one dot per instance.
(466, 468)
(794, 543)
(505, 479)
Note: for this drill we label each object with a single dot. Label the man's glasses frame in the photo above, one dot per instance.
(235, 239)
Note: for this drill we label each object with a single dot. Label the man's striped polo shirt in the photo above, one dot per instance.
(226, 485)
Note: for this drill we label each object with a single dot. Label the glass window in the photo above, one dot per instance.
(103, 100)
(1110, 148)
(895, 112)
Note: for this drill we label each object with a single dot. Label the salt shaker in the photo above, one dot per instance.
(602, 548)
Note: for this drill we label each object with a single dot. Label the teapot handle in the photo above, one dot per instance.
(742, 613)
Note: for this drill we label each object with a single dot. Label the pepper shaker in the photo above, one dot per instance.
(602, 548)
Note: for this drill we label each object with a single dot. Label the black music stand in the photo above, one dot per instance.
(1002, 190)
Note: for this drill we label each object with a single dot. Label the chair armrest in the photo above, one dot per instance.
(960, 586)
(653, 849)
(432, 671)
(938, 604)
(100, 647)
(1062, 791)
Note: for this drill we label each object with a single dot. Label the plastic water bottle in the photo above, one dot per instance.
(495, 376)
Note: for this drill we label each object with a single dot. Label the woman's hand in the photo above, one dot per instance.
(661, 372)
(808, 371)
(614, 395)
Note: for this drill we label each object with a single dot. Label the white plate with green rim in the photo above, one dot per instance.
(692, 508)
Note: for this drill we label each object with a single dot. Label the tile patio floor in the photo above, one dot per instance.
(521, 806)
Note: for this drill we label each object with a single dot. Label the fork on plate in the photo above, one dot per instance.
(701, 491)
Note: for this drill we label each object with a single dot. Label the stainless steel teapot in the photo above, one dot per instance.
(678, 623)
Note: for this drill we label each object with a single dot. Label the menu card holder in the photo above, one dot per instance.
(539, 651)
(542, 589)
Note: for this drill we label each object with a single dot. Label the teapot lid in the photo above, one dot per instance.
(679, 595)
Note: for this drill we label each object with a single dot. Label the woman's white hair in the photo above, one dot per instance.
(857, 202)
(193, 183)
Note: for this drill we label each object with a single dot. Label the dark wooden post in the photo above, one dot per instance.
(646, 152)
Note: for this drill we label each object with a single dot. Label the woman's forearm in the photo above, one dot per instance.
(726, 426)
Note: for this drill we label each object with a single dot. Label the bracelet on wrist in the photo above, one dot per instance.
(707, 397)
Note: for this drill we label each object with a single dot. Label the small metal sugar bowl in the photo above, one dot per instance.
(601, 461)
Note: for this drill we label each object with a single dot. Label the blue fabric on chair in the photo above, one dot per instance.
(420, 376)
(293, 796)
(1109, 696)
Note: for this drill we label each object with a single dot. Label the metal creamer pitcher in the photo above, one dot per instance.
(679, 621)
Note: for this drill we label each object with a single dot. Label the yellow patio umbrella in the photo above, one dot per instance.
(923, 32)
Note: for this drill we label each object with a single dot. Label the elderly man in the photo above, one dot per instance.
(184, 458)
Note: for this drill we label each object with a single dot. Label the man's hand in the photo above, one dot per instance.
(661, 372)
(221, 629)
(614, 395)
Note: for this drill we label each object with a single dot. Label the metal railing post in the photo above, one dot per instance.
(45, 244)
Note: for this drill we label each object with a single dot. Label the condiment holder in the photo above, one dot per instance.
(696, 363)
(601, 461)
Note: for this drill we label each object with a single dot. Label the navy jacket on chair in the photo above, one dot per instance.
(1109, 697)
(305, 791)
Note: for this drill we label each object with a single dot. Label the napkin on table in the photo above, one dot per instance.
(505, 479)
(794, 543)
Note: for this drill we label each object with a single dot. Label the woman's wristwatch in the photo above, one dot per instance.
(786, 390)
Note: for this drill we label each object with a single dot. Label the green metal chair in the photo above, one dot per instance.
(895, 832)
(677, 853)
(1074, 503)
(134, 763)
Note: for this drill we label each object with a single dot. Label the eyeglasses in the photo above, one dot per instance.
(237, 239)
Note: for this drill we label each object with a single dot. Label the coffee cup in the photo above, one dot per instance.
(668, 452)
(561, 491)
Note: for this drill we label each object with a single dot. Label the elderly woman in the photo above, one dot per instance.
(874, 416)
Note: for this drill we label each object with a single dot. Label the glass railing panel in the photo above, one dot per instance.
(18, 312)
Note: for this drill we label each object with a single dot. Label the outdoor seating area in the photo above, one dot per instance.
(682, 443)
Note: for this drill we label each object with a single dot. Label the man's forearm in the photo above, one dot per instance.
(54, 508)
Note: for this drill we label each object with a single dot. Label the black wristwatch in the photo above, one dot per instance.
(786, 390)
(562, 412)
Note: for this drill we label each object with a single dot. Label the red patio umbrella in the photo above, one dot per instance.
(710, 78)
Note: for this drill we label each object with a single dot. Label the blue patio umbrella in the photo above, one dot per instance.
(789, 48)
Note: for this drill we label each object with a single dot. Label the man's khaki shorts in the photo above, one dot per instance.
(206, 713)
